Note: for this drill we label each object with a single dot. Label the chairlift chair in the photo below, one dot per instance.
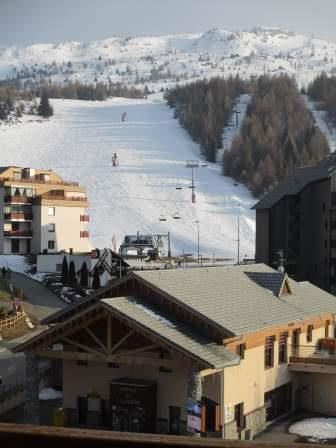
(162, 217)
(176, 215)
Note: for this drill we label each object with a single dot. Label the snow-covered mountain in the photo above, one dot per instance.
(153, 59)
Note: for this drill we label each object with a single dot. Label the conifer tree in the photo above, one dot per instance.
(72, 274)
(44, 109)
(96, 278)
(84, 276)
(65, 271)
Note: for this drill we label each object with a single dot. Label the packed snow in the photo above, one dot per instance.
(151, 59)
(79, 141)
(320, 117)
(50, 394)
(315, 429)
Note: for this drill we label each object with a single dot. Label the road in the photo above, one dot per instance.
(40, 302)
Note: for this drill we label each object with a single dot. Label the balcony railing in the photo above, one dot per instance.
(305, 354)
(84, 234)
(84, 218)
(18, 216)
(38, 181)
(55, 197)
(18, 233)
(18, 199)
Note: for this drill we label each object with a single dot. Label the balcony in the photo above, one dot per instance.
(84, 218)
(84, 234)
(33, 180)
(18, 216)
(18, 233)
(58, 197)
(18, 200)
(313, 359)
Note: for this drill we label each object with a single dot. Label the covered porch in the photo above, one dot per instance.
(128, 366)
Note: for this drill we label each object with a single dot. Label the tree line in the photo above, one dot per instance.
(203, 108)
(277, 135)
(323, 90)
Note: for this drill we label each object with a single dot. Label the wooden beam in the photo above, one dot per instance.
(119, 359)
(121, 341)
(78, 345)
(140, 349)
(208, 372)
(94, 337)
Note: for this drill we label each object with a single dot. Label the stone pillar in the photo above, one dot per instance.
(32, 406)
(194, 387)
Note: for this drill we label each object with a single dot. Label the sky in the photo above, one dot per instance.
(24, 22)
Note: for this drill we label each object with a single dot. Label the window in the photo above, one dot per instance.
(326, 329)
(269, 351)
(325, 244)
(323, 206)
(239, 416)
(51, 227)
(310, 333)
(58, 267)
(283, 347)
(17, 175)
(174, 420)
(51, 244)
(278, 402)
(295, 340)
(240, 350)
(51, 211)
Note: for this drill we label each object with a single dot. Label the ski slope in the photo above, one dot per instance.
(78, 143)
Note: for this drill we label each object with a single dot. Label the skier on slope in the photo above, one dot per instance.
(114, 159)
(123, 117)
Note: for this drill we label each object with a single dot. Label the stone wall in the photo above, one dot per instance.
(255, 422)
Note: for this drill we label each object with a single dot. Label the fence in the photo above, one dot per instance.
(311, 354)
(13, 321)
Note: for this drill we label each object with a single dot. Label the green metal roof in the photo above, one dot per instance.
(237, 298)
(172, 331)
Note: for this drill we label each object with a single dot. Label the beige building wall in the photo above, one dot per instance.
(81, 380)
(67, 229)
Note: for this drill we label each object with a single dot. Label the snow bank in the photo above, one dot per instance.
(50, 394)
(315, 429)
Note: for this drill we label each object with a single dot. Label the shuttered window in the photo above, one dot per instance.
(269, 351)
(310, 333)
(283, 347)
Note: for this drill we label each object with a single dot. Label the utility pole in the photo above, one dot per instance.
(198, 242)
(169, 250)
(238, 235)
(192, 164)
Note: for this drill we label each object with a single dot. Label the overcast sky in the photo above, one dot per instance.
(32, 21)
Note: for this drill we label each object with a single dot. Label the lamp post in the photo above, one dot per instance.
(198, 242)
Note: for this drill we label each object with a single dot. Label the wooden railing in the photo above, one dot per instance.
(19, 199)
(23, 216)
(18, 233)
(56, 197)
(38, 181)
(13, 321)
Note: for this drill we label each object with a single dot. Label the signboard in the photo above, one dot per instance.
(194, 418)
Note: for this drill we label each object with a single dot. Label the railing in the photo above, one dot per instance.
(306, 354)
(84, 234)
(56, 197)
(38, 181)
(84, 218)
(19, 199)
(18, 233)
(13, 216)
(13, 321)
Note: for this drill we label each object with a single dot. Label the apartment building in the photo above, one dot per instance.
(41, 213)
(221, 351)
(298, 217)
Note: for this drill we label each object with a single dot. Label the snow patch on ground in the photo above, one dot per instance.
(50, 394)
(78, 143)
(315, 429)
(320, 117)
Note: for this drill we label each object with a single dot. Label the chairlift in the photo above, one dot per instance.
(176, 215)
(178, 188)
(203, 165)
(162, 217)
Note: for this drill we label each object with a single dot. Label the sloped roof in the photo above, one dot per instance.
(171, 330)
(229, 297)
(297, 181)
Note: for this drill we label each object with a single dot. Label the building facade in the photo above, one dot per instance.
(298, 217)
(41, 213)
(223, 351)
